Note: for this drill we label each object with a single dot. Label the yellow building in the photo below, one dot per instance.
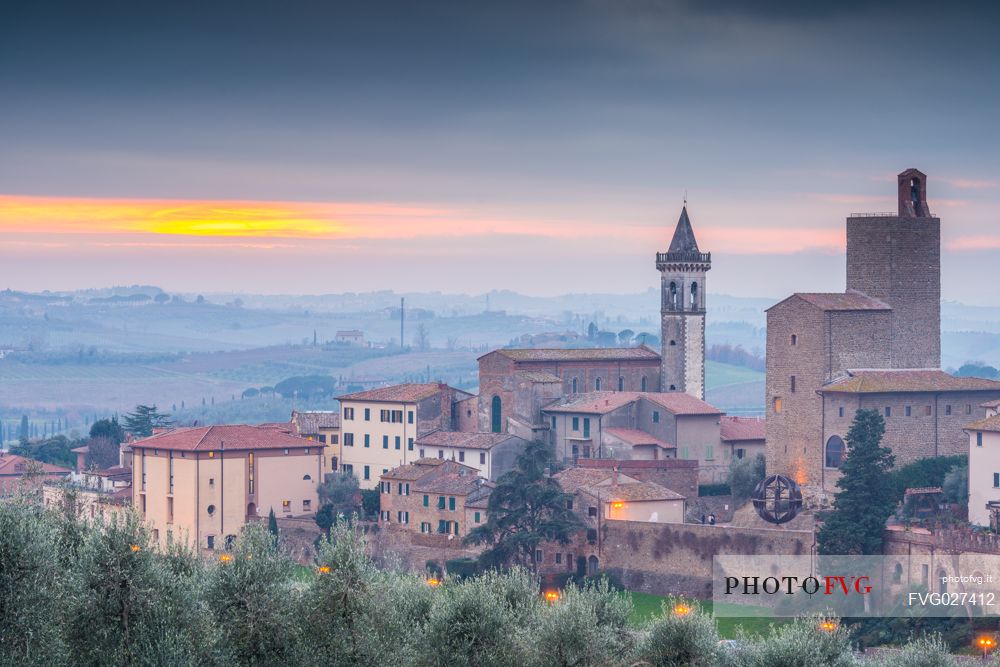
(322, 426)
(203, 484)
(378, 427)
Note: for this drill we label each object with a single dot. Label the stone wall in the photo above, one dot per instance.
(677, 558)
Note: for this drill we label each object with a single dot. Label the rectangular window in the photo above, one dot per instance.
(684, 452)
(425, 527)
(348, 440)
(569, 504)
(569, 561)
(440, 453)
(250, 468)
(210, 541)
(538, 555)
(368, 439)
(144, 471)
(979, 438)
(170, 510)
(286, 505)
(368, 473)
(348, 468)
(740, 453)
(385, 442)
(482, 458)
(968, 408)
(307, 505)
(840, 411)
(927, 411)
(442, 526)
(477, 517)
(421, 453)
(996, 480)
(397, 442)
(441, 501)
(947, 409)
(368, 414)
(170, 464)
(576, 423)
(586, 427)
(461, 456)
(591, 511)
(349, 413)
(907, 411)
(334, 439)
(427, 500)
(656, 416)
(777, 405)
(383, 415)
(451, 503)
(409, 444)
(709, 452)
(791, 384)
(409, 417)
(558, 558)
(553, 423)
(888, 411)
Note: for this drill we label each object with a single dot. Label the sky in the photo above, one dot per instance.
(320, 146)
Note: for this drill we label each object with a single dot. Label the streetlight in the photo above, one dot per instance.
(225, 558)
(828, 625)
(433, 581)
(551, 596)
(324, 569)
(681, 609)
(987, 644)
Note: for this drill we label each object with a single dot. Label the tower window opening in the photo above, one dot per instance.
(694, 296)
(673, 295)
(795, 339)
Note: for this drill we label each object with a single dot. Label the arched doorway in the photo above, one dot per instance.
(592, 566)
(834, 452)
(251, 511)
(496, 418)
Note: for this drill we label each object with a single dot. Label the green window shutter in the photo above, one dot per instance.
(426, 500)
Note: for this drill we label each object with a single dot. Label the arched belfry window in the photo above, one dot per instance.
(673, 295)
(834, 451)
(694, 296)
(915, 193)
(496, 418)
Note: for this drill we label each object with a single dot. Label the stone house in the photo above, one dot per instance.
(322, 426)
(434, 496)
(742, 437)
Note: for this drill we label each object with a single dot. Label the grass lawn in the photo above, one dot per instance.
(756, 622)
(718, 374)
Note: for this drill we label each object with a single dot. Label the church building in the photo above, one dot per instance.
(875, 345)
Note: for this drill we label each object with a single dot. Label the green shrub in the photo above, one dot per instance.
(714, 490)
(688, 640)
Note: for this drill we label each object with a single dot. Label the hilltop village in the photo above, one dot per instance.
(636, 447)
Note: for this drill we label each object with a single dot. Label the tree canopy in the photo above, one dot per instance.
(108, 428)
(146, 418)
(865, 500)
(526, 508)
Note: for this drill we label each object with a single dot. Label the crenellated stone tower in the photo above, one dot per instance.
(682, 311)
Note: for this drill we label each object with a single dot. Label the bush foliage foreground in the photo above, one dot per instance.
(73, 593)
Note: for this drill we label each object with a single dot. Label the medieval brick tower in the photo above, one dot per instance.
(897, 259)
(682, 311)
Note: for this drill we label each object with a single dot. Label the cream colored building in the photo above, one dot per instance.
(322, 426)
(491, 454)
(984, 468)
(379, 427)
(612, 496)
(202, 485)
(87, 503)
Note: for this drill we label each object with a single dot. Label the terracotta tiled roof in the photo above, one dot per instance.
(310, 423)
(991, 404)
(399, 393)
(463, 439)
(849, 300)
(449, 477)
(83, 449)
(906, 381)
(583, 354)
(12, 464)
(595, 402)
(988, 424)
(638, 491)
(113, 471)
(681, 403)
(572, 479)
(216, 438)
(412, 471)
(735, 429)
(636, 437)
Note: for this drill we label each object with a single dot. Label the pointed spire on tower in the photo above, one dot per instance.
(683, 240)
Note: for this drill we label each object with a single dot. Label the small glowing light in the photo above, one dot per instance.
(433, 582)
(986, 643)
(551, 596)
(135, 548)
(225, 558)
(828, 626)
(617, 504)
(324, 569)
(681, 610)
